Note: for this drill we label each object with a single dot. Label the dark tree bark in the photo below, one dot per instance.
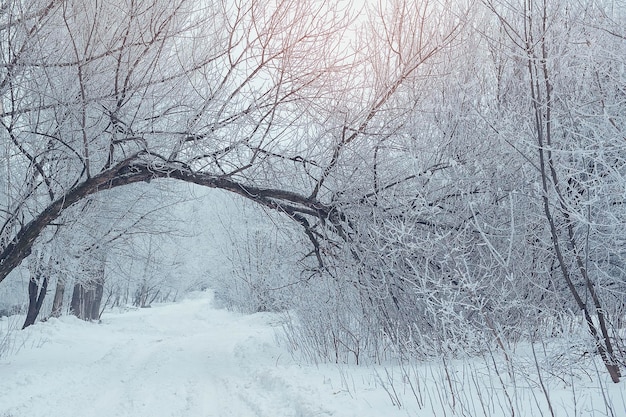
(135, 169)
(57, 303)
(86, 301)
(36, 295)
(98, 292)
(542, 101)
(77, 300)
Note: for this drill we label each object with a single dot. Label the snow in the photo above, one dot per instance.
(193, 359)
(183, 359)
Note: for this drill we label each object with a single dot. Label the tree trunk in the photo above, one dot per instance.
(98, 293)
(57, 303)
(86, 301)
(134, 170)
(542, 101)
(36, 295)
(77, 301)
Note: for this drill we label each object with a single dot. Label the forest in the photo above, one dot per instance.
(415, 180)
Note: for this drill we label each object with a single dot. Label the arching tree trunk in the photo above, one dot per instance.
(136, 169)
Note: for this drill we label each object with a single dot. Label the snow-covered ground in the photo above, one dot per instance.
(191, 359)
(183, 359)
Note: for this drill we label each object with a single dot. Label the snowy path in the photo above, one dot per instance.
(192, 360)
(185, 359)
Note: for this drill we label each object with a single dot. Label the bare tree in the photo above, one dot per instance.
(577, 145)
(102, 95)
